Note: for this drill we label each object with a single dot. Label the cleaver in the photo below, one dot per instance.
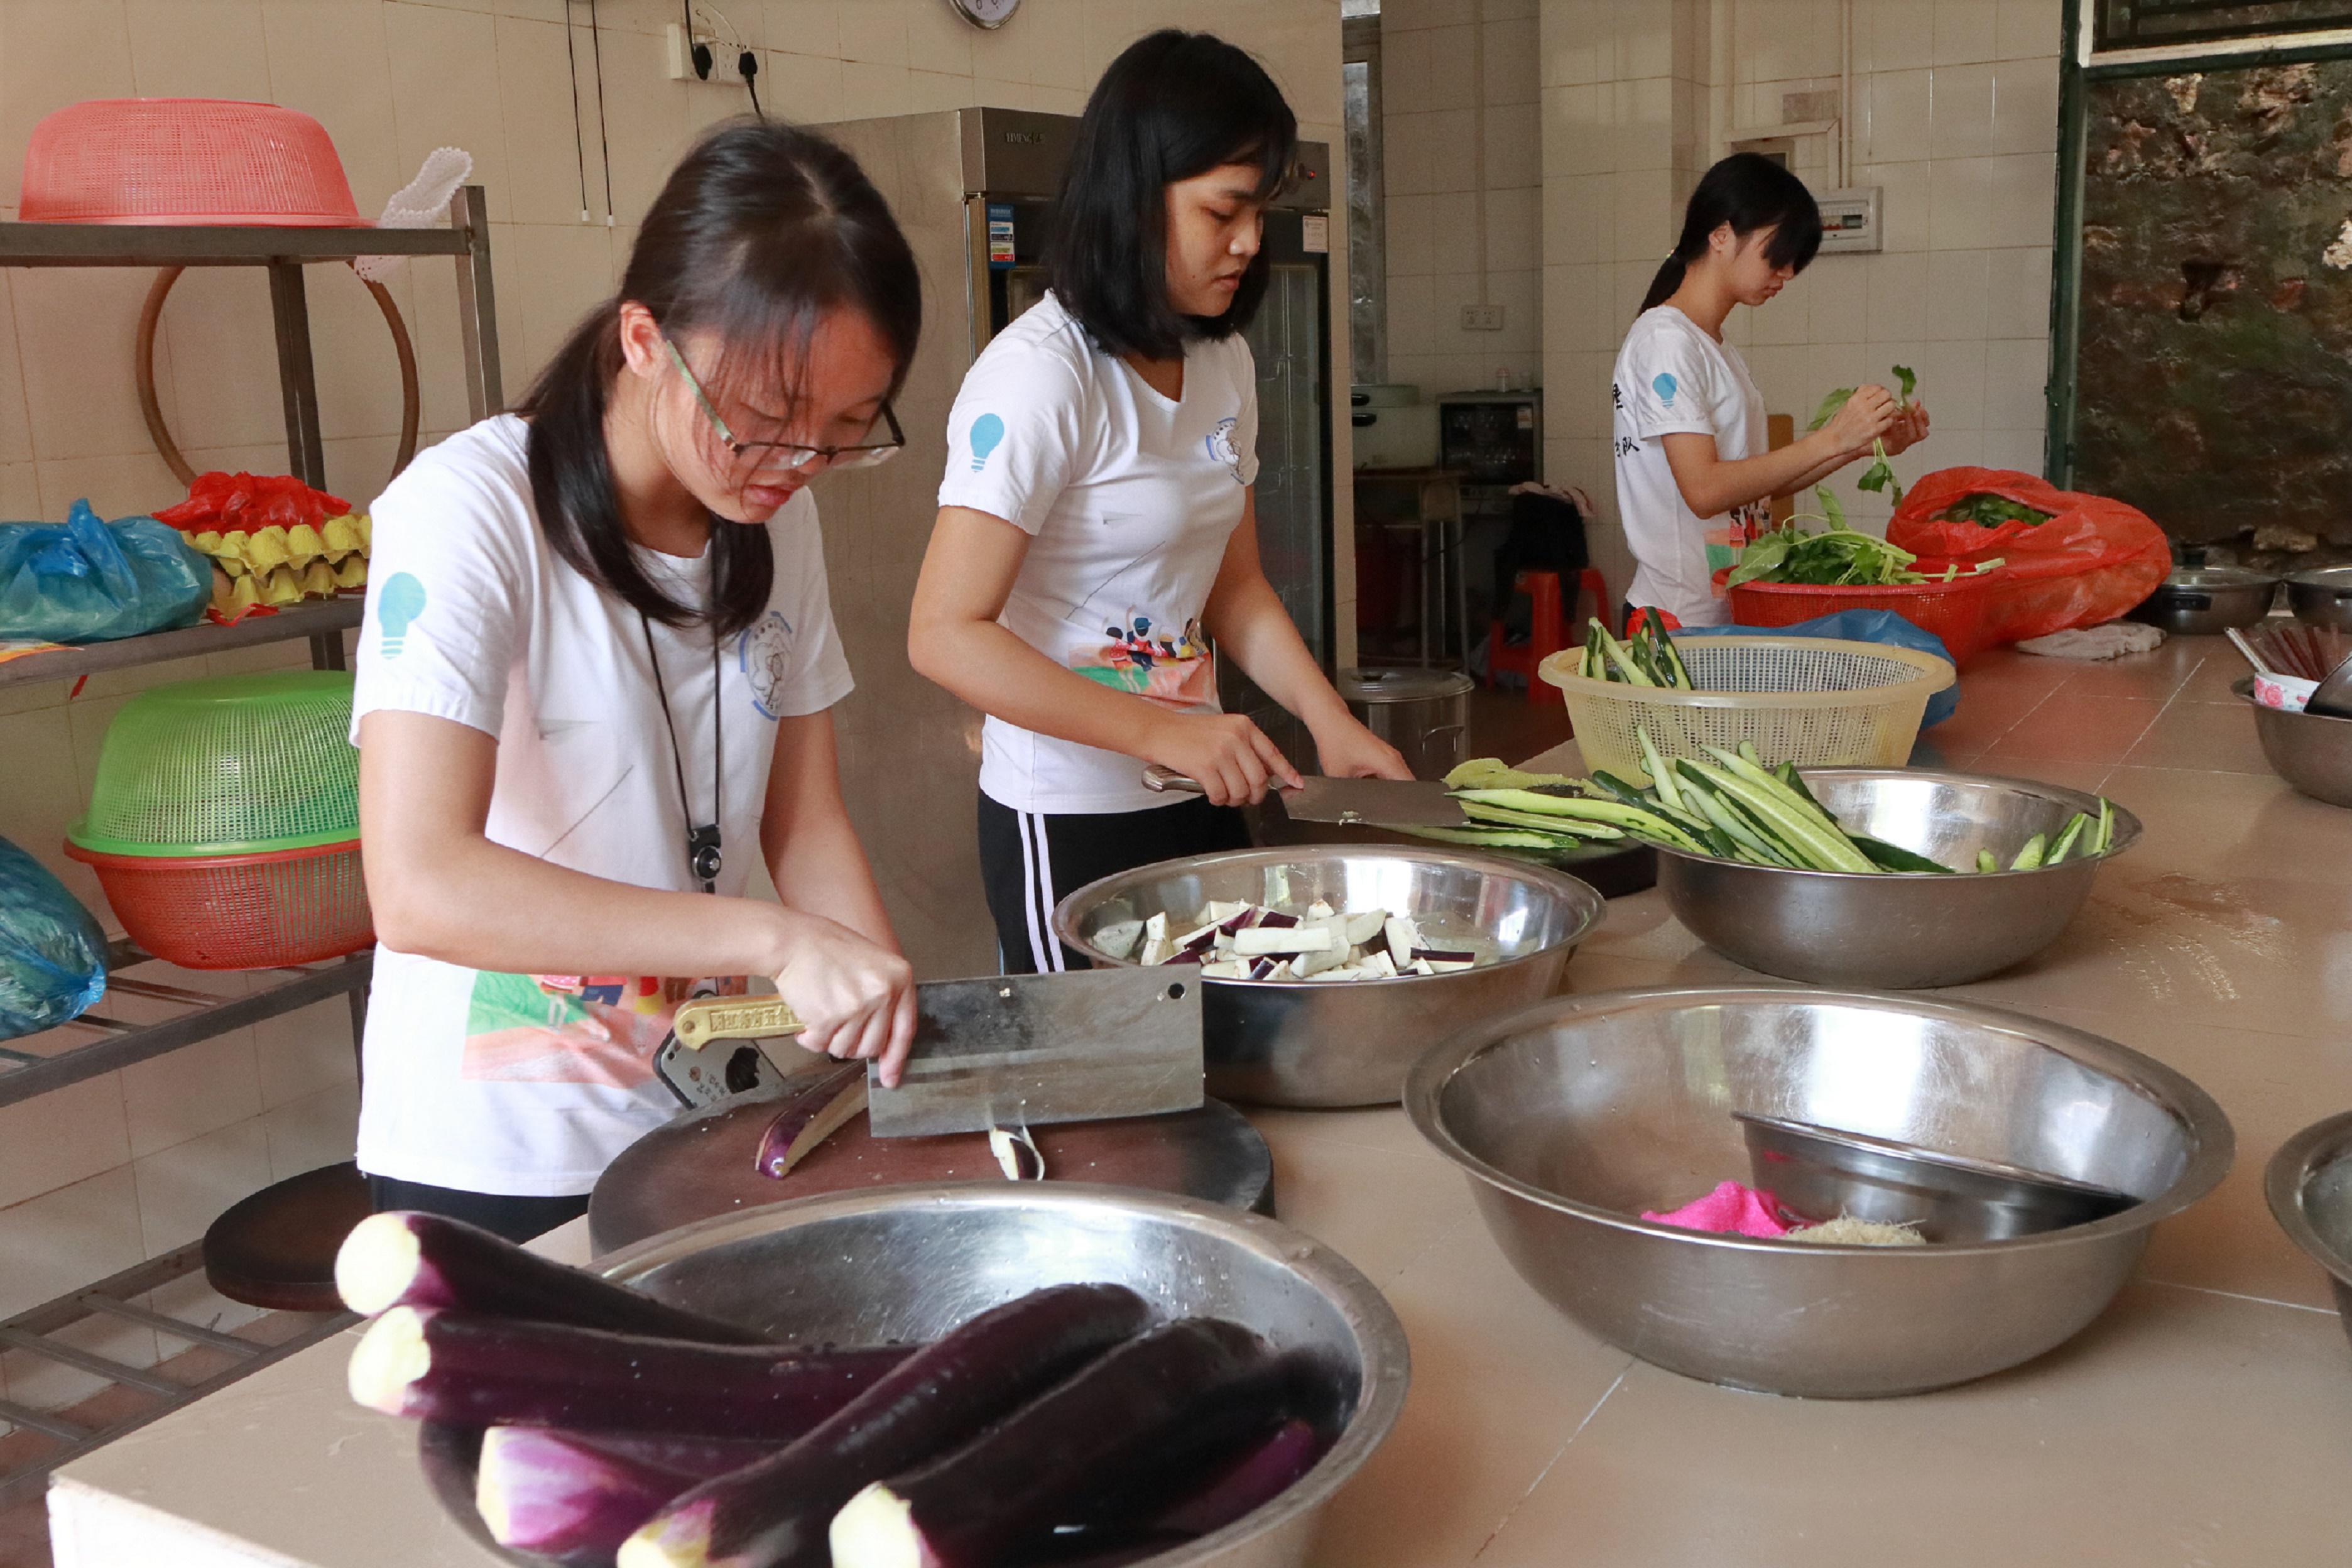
(1369, 803)
(1012, 1050)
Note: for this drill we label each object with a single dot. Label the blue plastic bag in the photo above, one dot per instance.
(1857, 625)
(87, 581)
(52, 955)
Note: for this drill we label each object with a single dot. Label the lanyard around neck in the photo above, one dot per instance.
(702, 858)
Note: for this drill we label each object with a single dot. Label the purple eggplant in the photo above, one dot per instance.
(578, 1494)
(810, 1117)
(435, 1364)
(1256, 1478)
(408, 1259)
(775, 1513)
(1137, 1427)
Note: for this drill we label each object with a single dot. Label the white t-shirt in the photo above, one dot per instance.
(1671, 377)
(530, 1085)
(1130, 499)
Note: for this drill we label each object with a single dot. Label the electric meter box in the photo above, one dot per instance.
(1850, 220)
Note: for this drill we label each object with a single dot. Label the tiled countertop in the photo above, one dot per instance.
(2205, 1420)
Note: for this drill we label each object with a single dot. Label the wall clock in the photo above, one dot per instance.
(991, 13)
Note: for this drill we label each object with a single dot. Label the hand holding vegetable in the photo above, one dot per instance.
(1861, 419)
(1231, 758)
(856, 1000)
(1908, 431)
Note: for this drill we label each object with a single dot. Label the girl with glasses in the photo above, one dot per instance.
(593, 693)
(1096, 531)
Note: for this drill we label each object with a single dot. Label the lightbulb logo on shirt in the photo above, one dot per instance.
(1665, 387)
(987, 433)
(1222, 448)
(764, 654)
(397, 607)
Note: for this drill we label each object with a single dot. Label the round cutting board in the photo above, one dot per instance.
(701, 1163)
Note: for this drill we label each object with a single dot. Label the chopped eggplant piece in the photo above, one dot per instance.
(1117, 939)
(1282, 938)
(829, 1100)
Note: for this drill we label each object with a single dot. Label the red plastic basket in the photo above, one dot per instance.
(1957, 612)
(185, 160)
(239, 912)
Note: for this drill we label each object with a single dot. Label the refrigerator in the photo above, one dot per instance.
(973, 190)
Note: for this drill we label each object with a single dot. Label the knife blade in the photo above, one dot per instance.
(1372, 803)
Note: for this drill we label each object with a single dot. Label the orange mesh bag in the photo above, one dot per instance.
(2095, 559)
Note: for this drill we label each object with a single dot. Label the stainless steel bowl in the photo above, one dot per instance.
(2321, 598)
(1823, 1173)
(1574, 1116)
(1909, 930)
(1323, 1042)
(909, 1263)
(2310, 750)
(2206, 601)
(2309, 1183)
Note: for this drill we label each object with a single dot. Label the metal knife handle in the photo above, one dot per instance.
(707, 1018)
(1161, 781)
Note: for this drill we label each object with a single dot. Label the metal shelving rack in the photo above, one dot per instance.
(282, 253)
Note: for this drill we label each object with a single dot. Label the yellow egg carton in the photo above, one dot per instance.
(279, 565)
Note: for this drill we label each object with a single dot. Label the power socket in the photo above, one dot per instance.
(679, 56)
(1482, 318)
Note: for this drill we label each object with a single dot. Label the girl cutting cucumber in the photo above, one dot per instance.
(593, 691)
(1695, 477)
(1096, 528)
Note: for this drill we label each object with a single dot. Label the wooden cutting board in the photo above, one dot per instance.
(701, 1164)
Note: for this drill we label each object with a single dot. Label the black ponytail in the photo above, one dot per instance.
(760, 232)
(1747, 191)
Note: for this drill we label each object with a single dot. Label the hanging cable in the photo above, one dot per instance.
(579, 138)
(603, 135)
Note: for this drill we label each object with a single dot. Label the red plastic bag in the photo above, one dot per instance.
(252, 502)
(2095, 559)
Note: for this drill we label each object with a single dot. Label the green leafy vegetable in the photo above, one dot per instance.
(1987, 511)
(1880, 475)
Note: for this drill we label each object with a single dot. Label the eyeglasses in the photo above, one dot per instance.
(773, 455)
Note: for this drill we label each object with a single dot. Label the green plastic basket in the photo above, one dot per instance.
(236, 765)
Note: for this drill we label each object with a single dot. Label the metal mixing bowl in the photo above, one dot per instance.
(2310, 750)
(2309, 1183)
(2321, 598)
(1907, 930)
(1574, 1116)
(1322, 1043)
(909, 1263)
(2206, 601)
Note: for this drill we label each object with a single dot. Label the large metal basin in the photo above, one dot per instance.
(909, 1263)
(2309, 1183)
(2310, 750)
(2321, 598)
(1901, 932)
(1325, 1043)
(1574, 1116)
(2206, 601)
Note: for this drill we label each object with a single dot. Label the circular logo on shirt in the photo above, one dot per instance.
(1222, 447)
(764, 654)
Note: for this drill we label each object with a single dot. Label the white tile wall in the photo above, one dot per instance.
(1955, 118)
(94, 1177)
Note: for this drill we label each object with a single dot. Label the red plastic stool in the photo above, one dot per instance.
(1549, 629)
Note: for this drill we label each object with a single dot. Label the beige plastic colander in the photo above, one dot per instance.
(1813, 702)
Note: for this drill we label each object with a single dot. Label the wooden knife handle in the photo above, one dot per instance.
(1161, 780)
(707, 1018)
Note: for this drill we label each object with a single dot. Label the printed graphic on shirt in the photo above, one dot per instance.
(573, 1029)
(1221, 446)
(987, 433)
(1665, 387)
(397, 605)
(764, 654)
(1143, 657)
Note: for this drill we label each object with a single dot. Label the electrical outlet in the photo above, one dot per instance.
(1482, 318)
(679, 56)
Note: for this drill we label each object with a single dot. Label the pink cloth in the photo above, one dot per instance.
(1731, 1209)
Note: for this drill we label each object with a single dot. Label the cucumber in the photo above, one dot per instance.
(439, 1364)
(1985, 861)
(1152, 1416)
(409, 1259)
(1894, 857)
(2067, 838)
(1662, 777)
(2106, 831)
(1491, 837)
(775, 1513)
(1570, 826)
(2030, 855)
